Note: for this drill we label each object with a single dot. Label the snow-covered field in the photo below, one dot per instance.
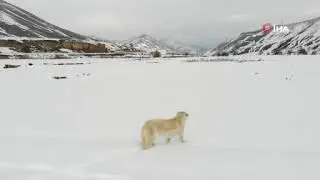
(248, 121)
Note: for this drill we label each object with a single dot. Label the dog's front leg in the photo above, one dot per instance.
(181, 137)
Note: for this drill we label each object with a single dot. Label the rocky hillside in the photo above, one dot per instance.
(114, 46)
(23, 32)
(303, 38)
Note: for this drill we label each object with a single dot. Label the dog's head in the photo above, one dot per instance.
(183, 115)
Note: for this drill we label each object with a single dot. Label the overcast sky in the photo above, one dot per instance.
(202, 22)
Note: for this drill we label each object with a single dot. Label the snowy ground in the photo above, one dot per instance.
(248, 121)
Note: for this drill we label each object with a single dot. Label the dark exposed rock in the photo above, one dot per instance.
(302, 51)
(28, 46)
(7, 66)
(59, 77)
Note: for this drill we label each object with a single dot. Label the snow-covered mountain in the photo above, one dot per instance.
(185, 48)
(303, 38)
(16, 22)
(148, 43)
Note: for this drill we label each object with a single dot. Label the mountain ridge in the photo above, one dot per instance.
(148, 43)
(16, 22)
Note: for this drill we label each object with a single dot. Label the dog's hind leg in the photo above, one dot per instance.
(152, 138)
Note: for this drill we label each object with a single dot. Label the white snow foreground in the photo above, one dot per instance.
(248, 121)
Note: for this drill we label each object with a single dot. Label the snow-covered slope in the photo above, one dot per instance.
(303, 38)
(184, 48)
(148, 43)
(16, 22)
(248, 121)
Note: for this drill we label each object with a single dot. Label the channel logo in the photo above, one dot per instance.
(272, 28)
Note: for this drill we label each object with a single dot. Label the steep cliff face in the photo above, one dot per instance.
(302, 38)
(84, 47)
(29, 46)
